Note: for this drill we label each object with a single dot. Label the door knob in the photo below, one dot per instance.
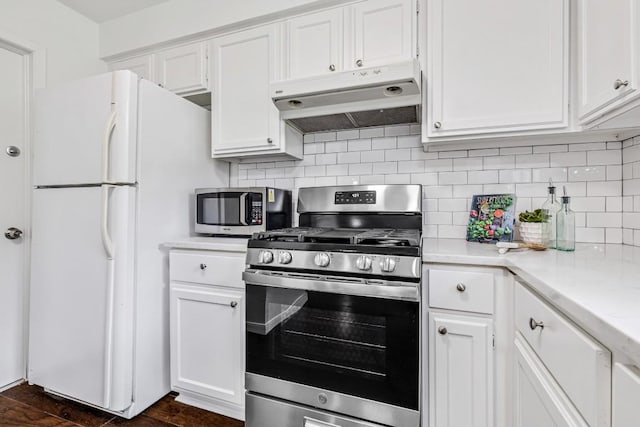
(13, 233)
(442, 330)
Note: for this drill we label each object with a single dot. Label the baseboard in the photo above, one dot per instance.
(211, 404)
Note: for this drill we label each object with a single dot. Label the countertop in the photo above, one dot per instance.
(227, 244)
(598, 286)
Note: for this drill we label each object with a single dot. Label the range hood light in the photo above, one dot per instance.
(294, 103)
(393, 91)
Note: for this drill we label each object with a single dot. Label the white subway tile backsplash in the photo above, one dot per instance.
(325, 136)
(335, 147)
(516, 150)
(588, 146)
(452, 231)
(514, 176)
(439, 165)
(604, 188)
(438, 191)
(398, 179)
(326, 159)
(409, 141)
(532, 161)
(589, 235)
(397, 154)
(352, 157)
(420, 154)
(568, 159)
(604, 219)
(347, 180)
(468, 190)
(411, 166)
(467, 164)
(372, 156)
(453, 205)
(314, 148)
(531, 190)
(337, 170)
(483, 177)
(588, 204)
(438, 217)
(546, 174)
(397, 130)
(604, 157)
(424, 178)
(484, 152)
(446, 178)
(359, 145)
(360, 169)
(499, 188)
(325, 180)
(452, 154)
(550, 148)
(614, 173)
(372, 179)
(614, 145)
(588, 173)
(385, 168)
(613, 235)
(315, 171)
(371, 132)
(348, 134)
(389, 143)
(500, 162)
(255, 174)
(460, 218)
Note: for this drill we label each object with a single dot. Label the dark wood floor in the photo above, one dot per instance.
(25, 406)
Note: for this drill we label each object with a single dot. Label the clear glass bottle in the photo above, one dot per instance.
(566, 226)
(550, 208)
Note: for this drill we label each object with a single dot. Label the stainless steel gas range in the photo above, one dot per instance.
(333, 312)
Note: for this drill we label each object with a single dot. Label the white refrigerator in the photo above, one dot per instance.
(115, 162)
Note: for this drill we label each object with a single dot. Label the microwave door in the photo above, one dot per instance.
(242, 212)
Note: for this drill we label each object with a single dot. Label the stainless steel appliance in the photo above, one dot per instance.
(241, 211)
(333, 312)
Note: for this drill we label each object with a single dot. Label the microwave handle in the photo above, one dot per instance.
(243, 206)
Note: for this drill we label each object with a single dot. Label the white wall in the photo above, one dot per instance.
(182, 18)
(69, 39)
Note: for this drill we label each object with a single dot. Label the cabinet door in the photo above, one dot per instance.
(496, 66)
(183, 69)
(460, 370)
(607, 48)
(626, 395)
(538, 400)
(381, 32)
(244, 118)
(315, 44)
(207, 341)
(141, 65)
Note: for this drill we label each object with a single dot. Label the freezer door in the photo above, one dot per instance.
(82, 293)
(85, 130)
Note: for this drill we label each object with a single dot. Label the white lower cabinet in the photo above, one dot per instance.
(626, 395)
(461, 365)
(208, 331)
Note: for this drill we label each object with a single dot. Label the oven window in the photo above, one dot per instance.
(219, 208)
(365, 347)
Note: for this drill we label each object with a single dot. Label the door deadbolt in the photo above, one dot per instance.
(13, 233)
(13, 151)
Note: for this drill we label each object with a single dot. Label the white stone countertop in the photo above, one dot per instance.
(598, 286)
(227, 244)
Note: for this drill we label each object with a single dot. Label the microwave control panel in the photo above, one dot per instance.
(256, 212)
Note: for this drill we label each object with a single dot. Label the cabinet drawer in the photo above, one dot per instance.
(580, 365)
(461, 290)
(210, 268)
(626, 395)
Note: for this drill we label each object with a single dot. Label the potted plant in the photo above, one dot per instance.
(533, 226)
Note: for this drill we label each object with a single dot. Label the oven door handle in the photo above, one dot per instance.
(386, 290)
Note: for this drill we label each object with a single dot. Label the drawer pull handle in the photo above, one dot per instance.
(203, 267)
(533, 324)
(234, 304)
(442, 330)
(461, 287)
(620, 83)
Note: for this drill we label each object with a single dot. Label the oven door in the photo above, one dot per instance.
(229, 212)
(350, 354)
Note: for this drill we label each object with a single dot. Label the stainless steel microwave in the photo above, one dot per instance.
(241, 211)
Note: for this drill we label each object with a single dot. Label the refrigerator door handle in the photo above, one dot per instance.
(111, 124)
(106, 238)
(110, 252)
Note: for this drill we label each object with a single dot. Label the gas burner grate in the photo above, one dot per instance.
(345, 236)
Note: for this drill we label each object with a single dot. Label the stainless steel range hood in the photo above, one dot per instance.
(376, 96)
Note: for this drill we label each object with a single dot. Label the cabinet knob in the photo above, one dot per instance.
(359, 62)
(233, 304)
(620, 83)
(533, 324)
(437, 125)
(461, 287)
(332, 67)
(442, 330)
(270, 141)
(203, 267)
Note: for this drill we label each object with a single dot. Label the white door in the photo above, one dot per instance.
(315, 43)
(496, 66)
(12, 214)
(81, 305)
(460, 370)
(207, 360)
(381, 32)
(73, 123)
(607, 48)
(244, 118)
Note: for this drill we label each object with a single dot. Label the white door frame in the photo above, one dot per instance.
(34, 78)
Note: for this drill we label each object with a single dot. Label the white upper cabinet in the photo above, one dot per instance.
(245, 120)
(141, 65)
(367, 34)
(607, 54)
(315, 43)
(496, 66)
(184, 69)
(381, 32)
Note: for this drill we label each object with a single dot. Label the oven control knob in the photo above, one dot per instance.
(284, 257)
(363, 263)
(388, 265)
(322, 259)
(265, 257)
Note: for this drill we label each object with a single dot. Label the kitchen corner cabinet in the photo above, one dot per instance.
(608, 63)
(245, 121)
(469, 344)
(366, 34)
(184, 69)
(207, 332)
(496, 67)
(142, 65)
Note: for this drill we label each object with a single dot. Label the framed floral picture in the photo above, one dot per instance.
(491, 218)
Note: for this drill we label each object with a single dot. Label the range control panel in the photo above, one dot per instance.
(355, 198)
